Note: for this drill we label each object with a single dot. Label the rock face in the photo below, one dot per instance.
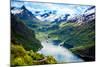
(21, 34)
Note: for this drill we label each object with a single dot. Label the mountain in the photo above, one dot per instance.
(21, 34)
(90, 8)
(51, 16)
(62, 18)
(72, 19)
(25, 15)
(80, 39)
(89, 14)
(46, 14)
(24, 45)
(78, 35)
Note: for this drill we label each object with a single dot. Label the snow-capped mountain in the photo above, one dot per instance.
(62, 18)
(16, 10)
(43, 15)
(52, 16)
(89, 14)
(24, 14)
(46, 15)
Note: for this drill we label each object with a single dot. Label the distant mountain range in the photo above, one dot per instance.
(49, 20)
(51, 16)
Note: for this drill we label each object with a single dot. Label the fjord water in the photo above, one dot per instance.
(60, 53)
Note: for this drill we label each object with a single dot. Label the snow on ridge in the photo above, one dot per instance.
(16, 11)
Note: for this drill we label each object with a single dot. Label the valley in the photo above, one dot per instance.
(51, 37)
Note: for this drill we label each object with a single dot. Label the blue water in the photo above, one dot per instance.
(60, 53)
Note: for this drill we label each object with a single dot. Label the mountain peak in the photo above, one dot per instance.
(23, 7)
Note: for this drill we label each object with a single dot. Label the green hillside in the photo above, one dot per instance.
(21, 34)
(24, 46)
(78, 37)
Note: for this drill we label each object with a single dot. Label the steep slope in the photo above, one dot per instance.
(24, 14)
(21, 34)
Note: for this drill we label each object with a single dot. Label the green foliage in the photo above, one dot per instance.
(64, 24)
(24, 45)
(50, 60)
(28, 59)
(17, 50)
(41, 59)
(34, 55)
(22, 34)
(21, 57)
(76, 34)
(18, 61)
(78, 37)
(22, 60)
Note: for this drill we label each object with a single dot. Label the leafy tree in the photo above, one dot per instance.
(21, 57)
(50, 60)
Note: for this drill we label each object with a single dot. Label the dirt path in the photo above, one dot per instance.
(45, 58)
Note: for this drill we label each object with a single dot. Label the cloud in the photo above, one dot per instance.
(16, 4)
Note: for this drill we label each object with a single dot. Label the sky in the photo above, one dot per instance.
(89, 2)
